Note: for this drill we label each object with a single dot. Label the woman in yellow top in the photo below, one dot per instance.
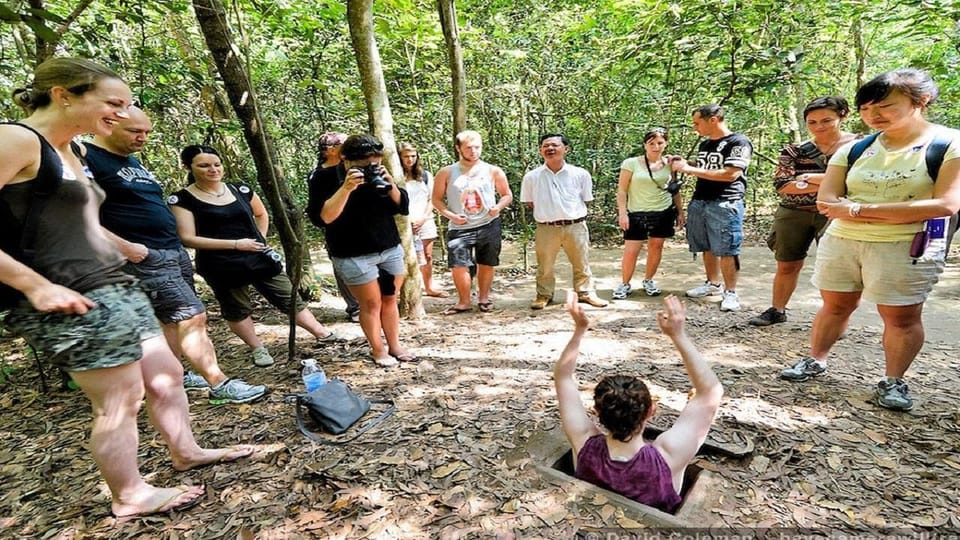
(875, 246)
(646, 211)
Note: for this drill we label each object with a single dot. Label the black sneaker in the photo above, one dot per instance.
(768, 317)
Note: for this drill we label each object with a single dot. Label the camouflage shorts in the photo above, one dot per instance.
(107, 336)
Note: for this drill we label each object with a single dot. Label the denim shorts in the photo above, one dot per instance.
(715, 226)
(366, 268)
(166, 276)
(109, 335)
(484, 240)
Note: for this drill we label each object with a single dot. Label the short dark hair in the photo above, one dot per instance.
(622, 403)
(836, 104)
(563, 138)
(361, 146)
(711, 110)
(911, 82)
(655, 132)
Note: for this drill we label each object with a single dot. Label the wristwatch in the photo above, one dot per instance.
(802, 182)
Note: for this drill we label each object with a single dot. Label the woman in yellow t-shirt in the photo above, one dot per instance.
(646, 211)
(875, 247)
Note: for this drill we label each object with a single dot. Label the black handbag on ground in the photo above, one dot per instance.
(334, 407)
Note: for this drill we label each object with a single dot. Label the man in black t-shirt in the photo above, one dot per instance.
(137, 218)
(715, 212)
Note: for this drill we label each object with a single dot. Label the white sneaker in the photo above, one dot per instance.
(261, 357)
(730, 301)
(622, 291)
(707, 289)
(651, 288)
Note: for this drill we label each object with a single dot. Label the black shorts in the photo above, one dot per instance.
(644, 225)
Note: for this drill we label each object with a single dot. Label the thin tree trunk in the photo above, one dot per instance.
(211, 15)
(360, 17)
(451, 35)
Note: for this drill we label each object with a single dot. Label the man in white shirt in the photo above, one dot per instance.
(558, 193)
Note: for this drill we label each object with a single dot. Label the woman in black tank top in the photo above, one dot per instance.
(85, 316)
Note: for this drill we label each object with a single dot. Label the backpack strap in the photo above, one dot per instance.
(936, 151)
(314, 436)
(858, 148)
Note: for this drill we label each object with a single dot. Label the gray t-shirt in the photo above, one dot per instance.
(472, 195)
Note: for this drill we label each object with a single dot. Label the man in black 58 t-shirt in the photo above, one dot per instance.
(715, 213)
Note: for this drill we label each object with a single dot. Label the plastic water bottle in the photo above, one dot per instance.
(313, 375)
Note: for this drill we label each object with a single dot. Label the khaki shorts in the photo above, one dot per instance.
(108, 335)
(883, 271)
(795, 230)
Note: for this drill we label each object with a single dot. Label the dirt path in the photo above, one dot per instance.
(445, 465)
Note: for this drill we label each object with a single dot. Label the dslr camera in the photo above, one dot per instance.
(372, 177)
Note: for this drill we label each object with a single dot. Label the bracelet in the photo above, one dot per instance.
(855, 209)
(235, 243)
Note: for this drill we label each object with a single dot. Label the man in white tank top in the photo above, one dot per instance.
(466, 194)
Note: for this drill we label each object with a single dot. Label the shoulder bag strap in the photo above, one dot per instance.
(314, 436)
(241, 198)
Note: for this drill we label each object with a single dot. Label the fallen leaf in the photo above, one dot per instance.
(447, 470)
(627, 523)
(875, 436)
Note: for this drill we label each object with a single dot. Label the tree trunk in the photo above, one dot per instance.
(451, 35)
(211, 15)
(360, 17)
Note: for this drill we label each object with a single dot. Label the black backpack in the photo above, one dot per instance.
(18, 237)
(935, 153)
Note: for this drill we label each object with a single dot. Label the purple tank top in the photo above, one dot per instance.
(646, 478)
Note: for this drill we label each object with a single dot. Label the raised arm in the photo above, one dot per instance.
(576, 424)
(333, 207)
(680, 443)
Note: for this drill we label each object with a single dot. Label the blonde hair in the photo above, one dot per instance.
(468, 135)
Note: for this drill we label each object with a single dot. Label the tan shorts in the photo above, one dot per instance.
(883, 271)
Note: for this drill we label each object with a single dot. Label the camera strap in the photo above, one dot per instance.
(650, 172)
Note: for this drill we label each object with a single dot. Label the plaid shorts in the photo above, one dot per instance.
(108, 335)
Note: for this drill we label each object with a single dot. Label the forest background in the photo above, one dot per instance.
(603, 72)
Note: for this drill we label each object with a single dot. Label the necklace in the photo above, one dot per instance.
(223, 190)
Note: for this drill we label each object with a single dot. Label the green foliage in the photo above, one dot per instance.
(602, 72)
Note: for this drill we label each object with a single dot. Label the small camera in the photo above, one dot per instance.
(272, 253)
(372, 177)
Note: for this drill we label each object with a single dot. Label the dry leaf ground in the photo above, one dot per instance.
(826, 456)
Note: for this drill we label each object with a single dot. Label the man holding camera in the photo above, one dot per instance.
(715, 213)
(465, 193)
(137, 218)
(558, 194)
(356, 202)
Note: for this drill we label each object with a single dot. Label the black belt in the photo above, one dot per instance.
(564, 222)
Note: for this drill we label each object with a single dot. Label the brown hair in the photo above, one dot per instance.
(622, 403)
(77, 75)
(416, 171)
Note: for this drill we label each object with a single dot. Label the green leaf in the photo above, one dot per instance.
(41, 30)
